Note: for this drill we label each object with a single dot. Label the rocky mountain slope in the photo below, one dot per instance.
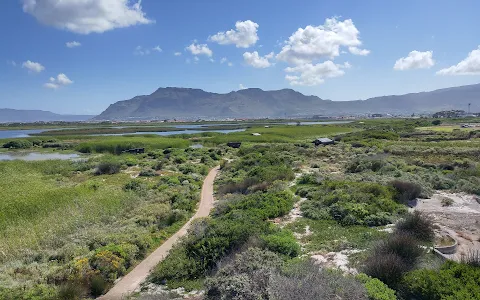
(174, 102)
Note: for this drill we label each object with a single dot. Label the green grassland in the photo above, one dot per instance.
(58, 216)
(85, 223)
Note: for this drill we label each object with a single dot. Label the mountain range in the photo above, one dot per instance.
(173, 102)
(8, 115)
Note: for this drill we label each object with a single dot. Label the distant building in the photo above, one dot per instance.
(234, 144)
(323, 141)
(135, 151)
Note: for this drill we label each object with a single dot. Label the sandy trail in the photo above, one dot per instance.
(132, 281)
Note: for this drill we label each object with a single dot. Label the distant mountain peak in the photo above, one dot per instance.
(190, 103)
(10, 115)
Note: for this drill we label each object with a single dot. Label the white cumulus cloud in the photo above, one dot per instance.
(87, 16)
(257, 61)
(223, 60)
(230, 64)
(415, 60)
(139, 50)
(33, 67)
(316, 42)
(177, 53)
(358, 51)
(199, 49)
(55, 83)
(73, 44)
(243, 36)
(468, 66)
(310, 74)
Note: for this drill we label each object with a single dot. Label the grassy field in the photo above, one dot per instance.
(35, 193)
(56, 216)
(81, 223)
(277, 134)
(446, 128)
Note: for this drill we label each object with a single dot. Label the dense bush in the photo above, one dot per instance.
(350, 203)
(306, 281)
(364, 164)
(417, 225)
(403, 245)
(108, 168)
(257, 274)
(453, 281)
(376, 290)
(233, 223)
(246, 277)
(406, 191)
(389, 268)
(18, 144)
(147, 173)
(399, 253)
(282, 242)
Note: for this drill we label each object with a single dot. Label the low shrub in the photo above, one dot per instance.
(147, 173)
(108, 168)
(37, 292)
(401, 244)
(361, 165)
(98, 285)
(453, 281)
(108, 264)
(417, 225)
(282, 242)
(18, 144)
(389, 268)
(246, 277)
(350, 203)
(447, 201)
(406, 191)
(71, 291)
(306, 281)
(376, 290)
(134, 185)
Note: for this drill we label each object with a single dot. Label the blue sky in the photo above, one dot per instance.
(339, 50)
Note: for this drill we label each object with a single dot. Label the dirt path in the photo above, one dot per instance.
(131, 282)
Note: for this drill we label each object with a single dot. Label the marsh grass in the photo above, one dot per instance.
(277, 134)
(40, 200)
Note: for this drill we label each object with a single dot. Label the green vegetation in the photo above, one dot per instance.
(259, 274)
(129, 129)
(350, 203)
(376, 290)
(68, 229)
(237, 219)
(390, 259)
(452, 281)
(277, 134)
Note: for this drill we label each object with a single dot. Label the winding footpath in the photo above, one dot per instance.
(132, 281)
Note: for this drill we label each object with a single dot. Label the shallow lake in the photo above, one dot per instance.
(320, 123)
(32, 156)
(165, 133)
(8, 134)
